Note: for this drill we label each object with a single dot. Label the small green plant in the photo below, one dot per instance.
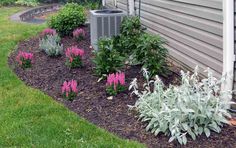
(107, 59)
(68, 18)
(115, 83)
(27, 2)
(51, 46)
(191, 109)
(152, 54)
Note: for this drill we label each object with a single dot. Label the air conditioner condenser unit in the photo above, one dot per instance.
(104, 23)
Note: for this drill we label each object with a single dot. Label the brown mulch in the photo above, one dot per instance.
(48, 74)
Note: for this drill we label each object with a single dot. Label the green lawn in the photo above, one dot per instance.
(28, 117)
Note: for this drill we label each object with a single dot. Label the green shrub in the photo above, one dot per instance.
(7, 2)
(27, 2)
(69, 18)
(107, 59)
(191, 109)
(51, 46)
(140, 47)
(131, 26)
(93, 5)
(127, 41)
(152, 54)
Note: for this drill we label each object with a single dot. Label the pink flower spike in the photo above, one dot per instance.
(65, 87)
(79, 32)
(115, 80)
(22, 55)
(122, 78)
(74, 52)
(49, 31)
(74, 86)
(69, 87)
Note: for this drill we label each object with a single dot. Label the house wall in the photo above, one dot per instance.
(121, 4)
(192, 28)
(110, 3)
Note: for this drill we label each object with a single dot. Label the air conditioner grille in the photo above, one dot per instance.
(104, 24)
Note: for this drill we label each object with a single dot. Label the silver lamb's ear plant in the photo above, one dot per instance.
(192, 108)
(51, 46)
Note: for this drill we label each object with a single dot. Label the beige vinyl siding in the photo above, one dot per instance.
(192, 28)
(121, 4)
(110, 3)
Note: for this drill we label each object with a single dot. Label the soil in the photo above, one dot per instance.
(48, 74)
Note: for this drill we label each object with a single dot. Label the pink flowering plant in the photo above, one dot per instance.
(48, 31)
(69, 90)
(79, 34)
(74, 57)
(24, 59)
(115, 83)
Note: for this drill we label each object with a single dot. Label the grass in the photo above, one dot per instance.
(28, 117)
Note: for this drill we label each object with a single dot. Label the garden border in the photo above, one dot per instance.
(25, 15)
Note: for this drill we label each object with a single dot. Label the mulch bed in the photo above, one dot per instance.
(48, 74)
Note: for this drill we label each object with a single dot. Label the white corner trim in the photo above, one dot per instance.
(115, 3)
(228, 43)
(131, 7)
(103, 2)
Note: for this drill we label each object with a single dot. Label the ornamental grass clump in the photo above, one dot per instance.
(69, 90)
(79, 34)
(48, 31)
(24, 59)
(115, 83)
(74, 57)
(190, 109)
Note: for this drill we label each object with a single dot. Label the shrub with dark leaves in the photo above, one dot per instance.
(107, 59)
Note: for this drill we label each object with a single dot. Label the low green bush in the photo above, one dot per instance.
(190, 109)
(70, 17)
(107, 60)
